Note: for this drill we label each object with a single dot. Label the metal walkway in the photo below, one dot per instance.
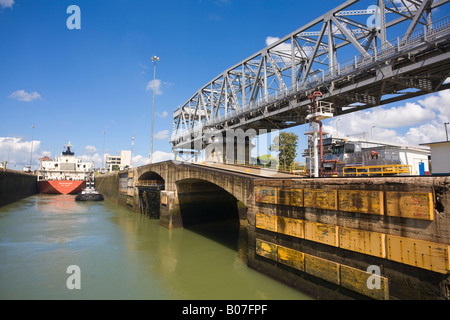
(270, 89)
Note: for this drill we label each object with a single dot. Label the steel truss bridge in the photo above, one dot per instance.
(359, 55)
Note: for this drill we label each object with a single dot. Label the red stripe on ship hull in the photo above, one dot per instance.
(61, 186)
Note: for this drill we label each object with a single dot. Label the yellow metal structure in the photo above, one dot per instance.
(422, 254)
(369, 202)
(292, 258)
(386, 170)
(320, 199)
(266, 194)
(339, 274)
(266, 221)
(321, 268)
(413, 205)
(371, 243)
(148, 183)
(266, 249)
(357, 280)
(291, 227)
(323, 233)
(290, 197)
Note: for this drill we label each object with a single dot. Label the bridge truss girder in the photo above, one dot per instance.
(269, 89)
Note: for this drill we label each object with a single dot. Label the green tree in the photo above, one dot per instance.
(267, 160)
(286, 146)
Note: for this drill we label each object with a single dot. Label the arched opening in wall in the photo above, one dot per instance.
(211, 211)
(150, 185)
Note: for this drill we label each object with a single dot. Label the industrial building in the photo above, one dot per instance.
(341, 153)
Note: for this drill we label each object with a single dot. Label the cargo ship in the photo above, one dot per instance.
(64, 175)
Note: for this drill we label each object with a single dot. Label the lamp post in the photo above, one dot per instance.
(337, 127)
(31, 151)
(154, 60)
(371, 132)
(446, 132)
(103, 154)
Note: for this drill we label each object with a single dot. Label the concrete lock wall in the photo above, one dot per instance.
(16, 185)
(333, 238)
(327, 236)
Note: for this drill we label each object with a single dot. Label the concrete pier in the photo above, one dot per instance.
(332, 238)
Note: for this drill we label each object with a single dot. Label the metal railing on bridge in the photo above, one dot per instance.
(292, 67)
(384, 170)
(149, 183)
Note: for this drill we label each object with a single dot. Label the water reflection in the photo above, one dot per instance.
(122, 255)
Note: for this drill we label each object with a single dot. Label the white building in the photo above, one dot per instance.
(122, 161)
(440, 155)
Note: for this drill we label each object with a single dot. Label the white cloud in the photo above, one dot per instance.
(162, 114)
(6, 3)
(94, 157)
(422, 122)
(90, 149)
(158, 84)
(91, 155)
(162, 135)
(21, 95)
(158, 156)
(439, 103)
(139, 160)
(17, 152)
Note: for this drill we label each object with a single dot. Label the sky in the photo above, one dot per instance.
(93, 86)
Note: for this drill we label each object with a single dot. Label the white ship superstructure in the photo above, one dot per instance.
(64, 167)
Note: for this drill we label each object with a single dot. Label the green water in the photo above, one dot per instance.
(121, 255)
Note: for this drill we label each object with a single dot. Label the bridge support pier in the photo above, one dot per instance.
(231, 146)
(170, 213)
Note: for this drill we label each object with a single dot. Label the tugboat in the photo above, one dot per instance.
(90, 193)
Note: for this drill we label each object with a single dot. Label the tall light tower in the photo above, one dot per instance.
(103, 153)
(154, 60)
(31, 151)
(132, 151)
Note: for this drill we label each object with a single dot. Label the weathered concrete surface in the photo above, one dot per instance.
(16, 185)
(108, 185)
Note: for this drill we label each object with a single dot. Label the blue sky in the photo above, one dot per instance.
(76, 84)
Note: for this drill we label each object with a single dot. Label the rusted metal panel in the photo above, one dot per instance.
(164, 199)
(371, 243)
(322, 233)
(266, 221)
(422, 254)
(414, 205)
(292, 258)
(320, 199)
(368, 284)
(323, 269)
(266, 194)
(291, 227)
(370, 202)
(291, 197)
(266, 249)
